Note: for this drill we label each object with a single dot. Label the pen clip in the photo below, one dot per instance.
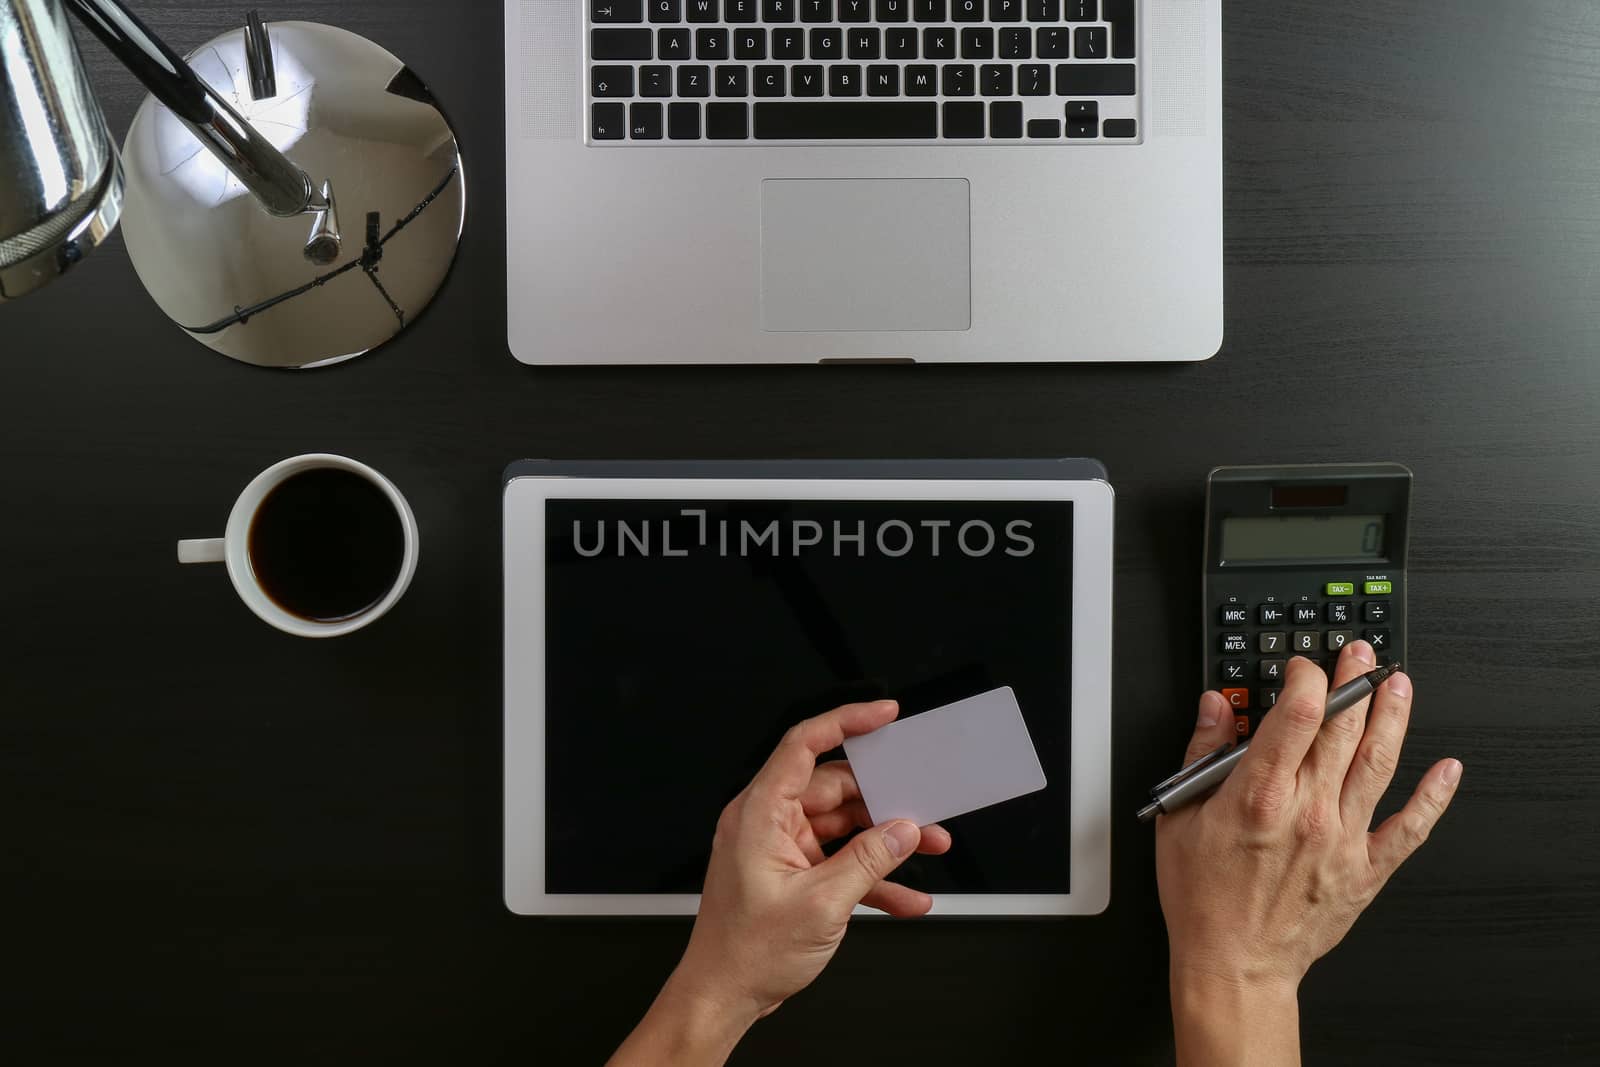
(1189, 770)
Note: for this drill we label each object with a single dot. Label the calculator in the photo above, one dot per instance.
(1300, 561)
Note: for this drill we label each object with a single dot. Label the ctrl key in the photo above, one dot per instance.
(608, 122)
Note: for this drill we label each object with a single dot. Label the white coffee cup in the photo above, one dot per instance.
(233, 548)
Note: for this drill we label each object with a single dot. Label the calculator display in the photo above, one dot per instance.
(1268, 538)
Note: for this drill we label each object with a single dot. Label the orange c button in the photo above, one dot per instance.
(1238, 699)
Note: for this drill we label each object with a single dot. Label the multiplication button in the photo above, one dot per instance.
(1378, 639)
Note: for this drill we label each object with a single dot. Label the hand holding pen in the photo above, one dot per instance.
(1266, 874)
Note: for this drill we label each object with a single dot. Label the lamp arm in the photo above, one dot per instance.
(277, 183)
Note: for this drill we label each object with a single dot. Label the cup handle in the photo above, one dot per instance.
(204, 550)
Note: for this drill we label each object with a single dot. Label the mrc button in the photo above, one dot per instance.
(1234, 614)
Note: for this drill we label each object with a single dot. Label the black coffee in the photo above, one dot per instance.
(326, 545)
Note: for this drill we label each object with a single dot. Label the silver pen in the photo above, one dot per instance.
(1207, 772)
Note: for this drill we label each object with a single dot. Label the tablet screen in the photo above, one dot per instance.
(684, 636)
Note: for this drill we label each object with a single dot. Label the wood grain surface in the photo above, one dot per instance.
(225, 845)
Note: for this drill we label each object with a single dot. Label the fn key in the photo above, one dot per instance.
(608, 122)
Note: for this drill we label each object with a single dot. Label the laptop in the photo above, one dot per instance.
(812, 181)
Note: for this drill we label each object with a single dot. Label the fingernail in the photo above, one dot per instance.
(1399, 685)
(1210, 710)
(1362, 651)
(902, 837)
(1451, 773)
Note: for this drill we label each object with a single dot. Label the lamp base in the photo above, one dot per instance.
(315, 289)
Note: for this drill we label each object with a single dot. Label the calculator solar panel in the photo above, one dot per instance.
(860, 71)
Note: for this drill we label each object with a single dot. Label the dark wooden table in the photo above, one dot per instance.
(225, 845)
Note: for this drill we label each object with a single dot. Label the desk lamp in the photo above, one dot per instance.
(291, 196)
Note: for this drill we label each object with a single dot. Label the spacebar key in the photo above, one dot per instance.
(846, 120)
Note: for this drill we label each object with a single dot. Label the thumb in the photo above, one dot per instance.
(869, 858)
(1213, 727)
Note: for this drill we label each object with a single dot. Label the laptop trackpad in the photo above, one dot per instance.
(865, 254)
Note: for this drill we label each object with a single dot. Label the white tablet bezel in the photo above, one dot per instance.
(1090, 798)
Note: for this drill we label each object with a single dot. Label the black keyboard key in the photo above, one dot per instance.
(922, 79)
(1054, 43)
(1272, 670)
(749, 44)
(1080, 10)
(1336, 611)
(672, 44)
(1271, 643)
(788, 44)
(1094, 79)
(1380, 640)
(1033, 79)
(1375, 611)
(1016, 44)
(1090, 109)
(844, 80)
(827, 44)
(611, 81)
(608, 122)
(1337, 639)
(994, 79)
(1304, 613)
(616, 10)
(619, 44)
(1232, 642)
(963, 118)
(789, 120)
(655, 81)
(883, 80)
(728, 122)
(855, 10)
(694, 81)
(1089, 42)
(865, 44)
(777, 10)
(1266, 614)
(928, 10)
(768, 81)
(711, 44)
(733, 81)
(966, 10)
(703, 10)
(1120, 14)
(1042, 128)
(893, 10)
(1305, 642)
(1124, 129)
(666, 10)
(816, 10)
(900, 43)
(1235, 670)
(740, 10)
(1005, 119)
(977, 42)
(683, 121)
(939, 43)
(1005, 10)
(958, 80)
(807, 81)
(644, 121)
(1083, 129)
(1044, 11)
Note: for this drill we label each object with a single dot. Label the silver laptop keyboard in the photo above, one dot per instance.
(862, 71)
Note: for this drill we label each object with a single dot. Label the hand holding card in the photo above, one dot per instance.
(946, 762)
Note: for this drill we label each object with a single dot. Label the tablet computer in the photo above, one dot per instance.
(665, 623)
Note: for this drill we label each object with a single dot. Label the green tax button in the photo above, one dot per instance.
(1378, 588)
(1339, 589)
